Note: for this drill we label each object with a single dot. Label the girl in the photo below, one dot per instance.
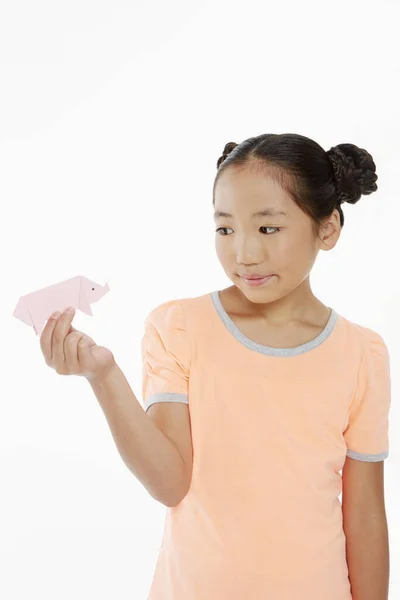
(258, 395)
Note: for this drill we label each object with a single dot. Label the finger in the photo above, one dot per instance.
(59, 334)
(84, 354)
(46, 337)
(92, 342)
(71, 351)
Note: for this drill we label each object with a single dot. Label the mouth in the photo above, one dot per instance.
(255, 277)
(257, 281)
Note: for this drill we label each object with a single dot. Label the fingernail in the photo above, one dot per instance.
(55, 315)
(70, 309)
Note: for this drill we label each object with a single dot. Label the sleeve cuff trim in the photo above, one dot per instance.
(165, 397)
(367, 457)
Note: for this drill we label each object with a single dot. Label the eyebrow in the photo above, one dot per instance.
(266, 212)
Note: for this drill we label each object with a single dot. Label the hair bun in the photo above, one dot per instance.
(354, 171)
(226, 151)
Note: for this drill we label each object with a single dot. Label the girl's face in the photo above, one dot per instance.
(279, 244)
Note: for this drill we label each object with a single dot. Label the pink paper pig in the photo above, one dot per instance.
(36, 308)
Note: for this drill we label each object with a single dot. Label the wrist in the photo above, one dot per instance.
(104, 377)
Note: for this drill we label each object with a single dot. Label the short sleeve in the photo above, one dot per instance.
(165, 355)
(367, 433)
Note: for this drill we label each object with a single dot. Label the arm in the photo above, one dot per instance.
(365, 528)
(147, 452)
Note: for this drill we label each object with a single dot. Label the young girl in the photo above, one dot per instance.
(258, 395)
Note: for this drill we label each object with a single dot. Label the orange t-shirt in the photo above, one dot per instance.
(271, 428)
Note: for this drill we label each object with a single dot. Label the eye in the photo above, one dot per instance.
(276, 229)
(219, 229)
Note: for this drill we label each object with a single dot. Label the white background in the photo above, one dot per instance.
(112, 118)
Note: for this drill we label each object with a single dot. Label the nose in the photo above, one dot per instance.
(249, 252)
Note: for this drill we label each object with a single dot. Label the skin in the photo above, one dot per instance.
(286, 303)
(71, 352)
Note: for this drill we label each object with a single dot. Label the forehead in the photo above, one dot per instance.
(250, 193)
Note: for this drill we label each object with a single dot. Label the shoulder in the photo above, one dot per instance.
(177, 312)
(365, 344)
(365, 337)
(169, 309)
(172, 327)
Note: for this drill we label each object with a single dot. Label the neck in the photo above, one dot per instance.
(298, 305)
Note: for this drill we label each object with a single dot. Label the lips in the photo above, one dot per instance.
(256, 276)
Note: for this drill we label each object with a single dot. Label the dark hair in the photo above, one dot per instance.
(316, 180)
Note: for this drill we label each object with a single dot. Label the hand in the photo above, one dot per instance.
(71, 352)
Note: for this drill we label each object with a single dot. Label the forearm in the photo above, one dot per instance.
(146, 451)
(367, 550)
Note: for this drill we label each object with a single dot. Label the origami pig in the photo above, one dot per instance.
(36, 308)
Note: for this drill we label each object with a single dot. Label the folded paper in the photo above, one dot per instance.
(80, 292)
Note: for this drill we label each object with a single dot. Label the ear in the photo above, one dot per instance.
(330, 231)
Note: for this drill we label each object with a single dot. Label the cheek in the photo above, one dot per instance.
(221, 249)
(298, 257)
(290, 254)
